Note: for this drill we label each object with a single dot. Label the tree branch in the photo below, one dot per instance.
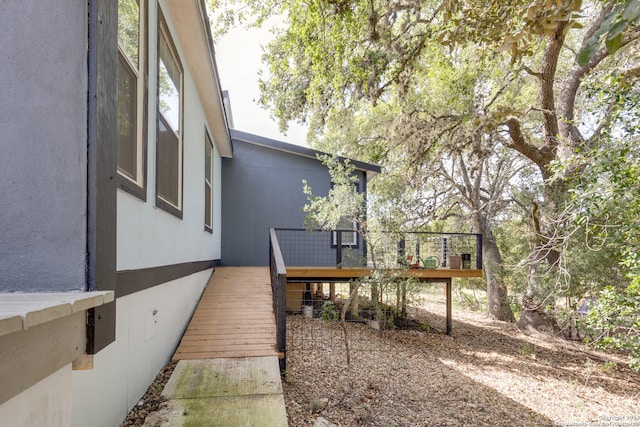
(529, 71)
(576, 75)
(546, 94)
(519, 143)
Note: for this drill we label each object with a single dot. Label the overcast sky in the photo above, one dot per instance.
(238, 56)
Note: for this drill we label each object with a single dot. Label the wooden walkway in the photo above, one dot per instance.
(233, 319)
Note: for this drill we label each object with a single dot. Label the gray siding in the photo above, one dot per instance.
(261, 189)
(43, 104)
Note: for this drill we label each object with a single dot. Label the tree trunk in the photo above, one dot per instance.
(533, 316)
(497, 298)
(498, 307)
(353, 293)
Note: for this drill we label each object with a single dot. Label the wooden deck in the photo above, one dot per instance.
(233, 319)
(346, 273)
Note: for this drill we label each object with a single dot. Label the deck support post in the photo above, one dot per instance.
(449, 315)
(338, 249)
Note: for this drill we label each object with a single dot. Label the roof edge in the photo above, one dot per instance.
(273, 144)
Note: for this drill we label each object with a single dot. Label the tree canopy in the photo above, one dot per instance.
(485, 113)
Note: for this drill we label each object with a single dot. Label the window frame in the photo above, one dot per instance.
(138, 186)
(356, 236)
(163, 202)
(208, 181)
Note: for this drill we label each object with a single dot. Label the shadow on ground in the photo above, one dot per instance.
(424, 378)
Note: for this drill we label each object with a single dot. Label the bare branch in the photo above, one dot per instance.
(536, 74)
(519, 143)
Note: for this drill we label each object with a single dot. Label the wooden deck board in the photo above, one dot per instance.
(332, 273)
(234, 317)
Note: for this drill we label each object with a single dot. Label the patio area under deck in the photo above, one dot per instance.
(333, 274)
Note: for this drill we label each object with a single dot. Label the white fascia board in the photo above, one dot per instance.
(192, 25)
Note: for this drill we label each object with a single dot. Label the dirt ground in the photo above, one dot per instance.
(488, 374)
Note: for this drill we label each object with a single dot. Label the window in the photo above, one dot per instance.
(348, 238)
(131, 88)
(169, 141)
(208, 183)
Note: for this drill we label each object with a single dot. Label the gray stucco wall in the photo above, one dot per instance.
(262, 188)
(43, 123)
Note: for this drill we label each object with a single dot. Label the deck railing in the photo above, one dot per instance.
(346, 248)
(278, 274)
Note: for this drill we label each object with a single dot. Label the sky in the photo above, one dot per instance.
(238, 56)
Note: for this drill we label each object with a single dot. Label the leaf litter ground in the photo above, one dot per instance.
(488, 374)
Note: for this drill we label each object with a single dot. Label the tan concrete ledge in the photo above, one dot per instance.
(19, 311)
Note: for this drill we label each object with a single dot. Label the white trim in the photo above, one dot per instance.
(140, 95)
(165, 34)
(192, 29)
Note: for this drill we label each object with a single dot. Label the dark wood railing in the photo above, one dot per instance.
(278, 274)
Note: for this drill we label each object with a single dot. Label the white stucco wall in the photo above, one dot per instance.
(47, 403)
(149, 236)
(150, 323)
(144, 343)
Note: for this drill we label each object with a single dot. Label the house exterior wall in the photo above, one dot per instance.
(43, 166)
(151, 319)
(139, 242)
(58, 145)
(262, 190)
(144, 343)
(47, 403)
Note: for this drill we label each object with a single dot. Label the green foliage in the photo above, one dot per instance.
(514, 26)
(607, 201)
(615, 321)
(515, 245)
(606, 206)
(329, 312)
(625, 15)
(342, 206)
(447, 96)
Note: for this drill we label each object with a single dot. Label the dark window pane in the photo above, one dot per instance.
(208, 181)
(207, 160)
(348, 238)
(127, 120)
(207, 205)
(168, 164)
